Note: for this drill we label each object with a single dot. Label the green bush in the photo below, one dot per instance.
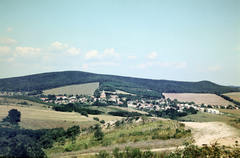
(102, 121)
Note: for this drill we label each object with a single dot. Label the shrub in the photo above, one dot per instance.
(102, 121)
(99, 134)
(95, 118)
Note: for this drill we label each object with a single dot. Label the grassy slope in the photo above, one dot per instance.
(124, 136)
(38, 116)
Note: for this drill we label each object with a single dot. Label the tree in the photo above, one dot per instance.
(99, 134)
(143, 117)
(13, 117)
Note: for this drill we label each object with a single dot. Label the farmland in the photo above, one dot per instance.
(85, 89)
(198, 98)
(39, 116)
(234, 96)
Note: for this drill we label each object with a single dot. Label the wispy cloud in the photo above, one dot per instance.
(91, 54)
(57, 46)
(148, 64)
(8, 41)
(9, 29)
(73, 51)
(152, 55)
(108, 54)
(26, 51)
(132, 57)
(214, 68)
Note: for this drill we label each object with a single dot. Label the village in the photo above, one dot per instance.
(143, 104)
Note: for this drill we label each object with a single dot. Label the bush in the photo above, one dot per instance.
(99, 134)
(95, 118)
(102, 121)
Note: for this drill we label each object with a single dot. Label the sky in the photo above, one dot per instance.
(164, 39)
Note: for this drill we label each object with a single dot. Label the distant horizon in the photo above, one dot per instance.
(172, 40)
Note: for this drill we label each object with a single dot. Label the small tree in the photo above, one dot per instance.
(143, 117)
(13, 117)
(102, 121)
(99, 134)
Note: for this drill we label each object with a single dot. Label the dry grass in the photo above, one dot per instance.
(85, 89)
(209, 99)
(38, 116)
(205, 117)
(234, 96)
(129, 109)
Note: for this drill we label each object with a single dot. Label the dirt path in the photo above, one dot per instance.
(210, 132)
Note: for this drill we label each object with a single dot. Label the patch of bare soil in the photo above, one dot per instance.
(211, 132)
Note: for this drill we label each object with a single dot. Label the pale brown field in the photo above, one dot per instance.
(209, 99)
(129, 109)
(85, 89)
(234, 95)
(38, 116)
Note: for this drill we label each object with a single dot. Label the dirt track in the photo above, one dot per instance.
(210, 132)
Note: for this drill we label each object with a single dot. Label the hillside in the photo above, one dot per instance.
(44, 81)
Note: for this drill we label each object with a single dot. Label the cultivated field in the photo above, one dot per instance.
(234, 96)
(85, 89)
(209, 99)
(38, 116)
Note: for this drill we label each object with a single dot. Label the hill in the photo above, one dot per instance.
(44, 81)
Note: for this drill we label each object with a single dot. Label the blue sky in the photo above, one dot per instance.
(175, 40)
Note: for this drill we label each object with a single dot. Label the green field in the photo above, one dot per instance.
(84, 89)
(205, 117)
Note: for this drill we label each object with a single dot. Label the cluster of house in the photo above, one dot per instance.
(66, 100)
(160, 102)
(112, 98)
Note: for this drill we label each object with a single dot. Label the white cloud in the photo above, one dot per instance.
(9, 29)
(91, 54)
(110, 53)
(132, 57)
(58, 46)
(74, 51)
(214, 68)
(160, 64)
(5, 50)
(26, 51)
(181, 66)
(7, 40)
(152, 55)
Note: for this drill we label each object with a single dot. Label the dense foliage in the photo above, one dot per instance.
(16, 142)
(146, 87)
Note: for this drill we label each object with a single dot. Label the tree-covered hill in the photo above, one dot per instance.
(50, 80)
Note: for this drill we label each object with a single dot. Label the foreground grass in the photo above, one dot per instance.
(150, 135)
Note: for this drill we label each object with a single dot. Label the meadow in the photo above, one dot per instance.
(205, 117)
(84, 89)
(39, 116)
(198, 98)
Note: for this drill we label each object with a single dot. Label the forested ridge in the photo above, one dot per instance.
(50, 80)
